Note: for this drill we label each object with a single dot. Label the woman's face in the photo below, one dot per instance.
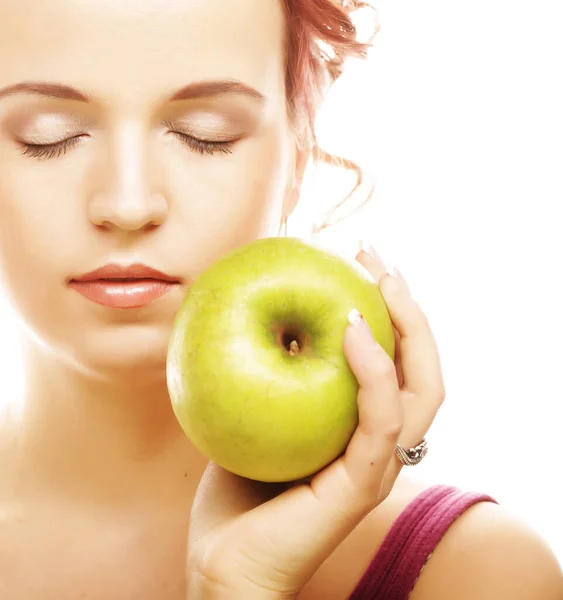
(155, 172)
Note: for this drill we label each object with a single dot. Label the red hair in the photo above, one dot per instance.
(321, 35)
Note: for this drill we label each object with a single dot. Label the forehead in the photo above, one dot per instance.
(138, 48)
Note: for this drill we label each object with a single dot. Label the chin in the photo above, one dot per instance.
(136, 352)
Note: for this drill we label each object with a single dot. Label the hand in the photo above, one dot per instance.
(259, 541)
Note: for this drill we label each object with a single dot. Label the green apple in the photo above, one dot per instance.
(256, 370)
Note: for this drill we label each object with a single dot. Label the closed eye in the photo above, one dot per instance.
(46, 151)
(204, 146)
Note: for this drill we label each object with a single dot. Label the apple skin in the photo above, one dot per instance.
(244, 400)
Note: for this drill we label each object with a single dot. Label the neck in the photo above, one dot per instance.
(107, 438)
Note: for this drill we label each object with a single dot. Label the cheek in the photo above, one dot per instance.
(36, 242)
(229, 200)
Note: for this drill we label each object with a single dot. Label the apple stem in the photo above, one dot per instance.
(293, 348)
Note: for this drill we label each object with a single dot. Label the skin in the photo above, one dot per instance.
(96, 478)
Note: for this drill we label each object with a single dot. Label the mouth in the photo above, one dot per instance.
(117, 286)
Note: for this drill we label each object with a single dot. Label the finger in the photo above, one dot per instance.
(379, 409)
(371, 261)
(420, 373)
(353, 482)
(398, 365)
(420, 360)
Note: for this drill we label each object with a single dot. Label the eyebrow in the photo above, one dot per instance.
(194, 90)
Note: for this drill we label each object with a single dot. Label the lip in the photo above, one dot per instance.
(136, 271)
(121, 286)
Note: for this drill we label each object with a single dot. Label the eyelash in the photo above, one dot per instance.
(204, 147)
(201, 146)
(48, 151)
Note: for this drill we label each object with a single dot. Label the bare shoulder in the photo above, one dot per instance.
(490, 554)
(487, 554)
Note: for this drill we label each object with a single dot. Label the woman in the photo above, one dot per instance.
(167, 134)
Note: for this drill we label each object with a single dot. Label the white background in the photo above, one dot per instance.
(458, 115)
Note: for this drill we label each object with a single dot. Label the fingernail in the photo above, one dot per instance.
(355, 316)
(368, 249)
(361, 327)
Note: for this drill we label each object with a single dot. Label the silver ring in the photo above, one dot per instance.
(412, 456)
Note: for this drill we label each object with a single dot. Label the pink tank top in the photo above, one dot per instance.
(396, 567)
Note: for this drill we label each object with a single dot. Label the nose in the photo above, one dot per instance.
(128, 199)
